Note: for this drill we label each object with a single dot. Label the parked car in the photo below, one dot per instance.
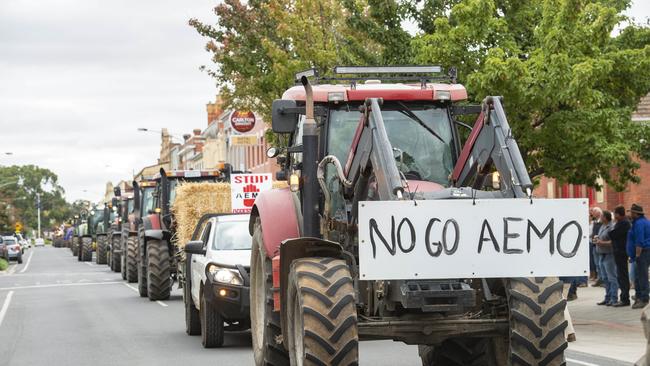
(217, 285)
(24, 243)
(12, 249)
(39, 242)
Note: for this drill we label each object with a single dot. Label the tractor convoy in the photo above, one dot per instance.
(397, 222)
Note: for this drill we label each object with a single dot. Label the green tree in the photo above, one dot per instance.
(569, 86)
(259, 46)
(19, 187)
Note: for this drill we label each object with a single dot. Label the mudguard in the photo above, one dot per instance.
(155, 234)
(279, 212)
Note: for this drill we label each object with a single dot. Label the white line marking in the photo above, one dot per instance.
(5, 306)
(131, 287)
(29, 260)
(162, 304)
(89, 263)
(59, 285)
(581, 362)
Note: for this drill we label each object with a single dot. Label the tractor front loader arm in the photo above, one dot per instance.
(491, 144)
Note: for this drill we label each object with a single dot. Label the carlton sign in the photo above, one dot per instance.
(242, 122)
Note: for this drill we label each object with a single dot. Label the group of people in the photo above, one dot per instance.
(619, 255)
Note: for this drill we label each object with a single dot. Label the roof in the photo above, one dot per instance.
(642, 112)
(360, 92)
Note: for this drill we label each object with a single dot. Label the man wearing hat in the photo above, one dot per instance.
(638, 248)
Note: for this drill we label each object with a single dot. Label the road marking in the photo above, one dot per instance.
(581, 362)
(29, 260)
(138, 291)
(59, 285)
(90, 263)
(5, 306)
(131, 287)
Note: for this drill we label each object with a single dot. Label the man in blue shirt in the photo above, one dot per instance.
(638, 249)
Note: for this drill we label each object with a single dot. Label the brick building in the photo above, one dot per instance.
(607, 198)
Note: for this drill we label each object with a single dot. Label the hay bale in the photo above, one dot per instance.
(194, 200)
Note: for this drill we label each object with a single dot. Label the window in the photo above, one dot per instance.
(232, 235)
(419, 154)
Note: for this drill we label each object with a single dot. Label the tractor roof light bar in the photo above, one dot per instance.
(356, 74)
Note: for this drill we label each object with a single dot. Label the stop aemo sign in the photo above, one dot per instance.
(242, 121)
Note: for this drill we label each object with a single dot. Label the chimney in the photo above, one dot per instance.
(214, 110)
(197, 131)
(186, 136)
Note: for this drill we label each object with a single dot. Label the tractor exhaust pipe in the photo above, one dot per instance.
(309, 166)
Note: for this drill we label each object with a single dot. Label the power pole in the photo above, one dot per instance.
(38, 207)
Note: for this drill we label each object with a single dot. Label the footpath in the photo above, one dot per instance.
(606, 331)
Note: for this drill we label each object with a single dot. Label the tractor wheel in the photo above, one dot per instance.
(115, 257)
(142, 263)
(123, 258)
(101, 249)
(536, 335)
(132, 259)
(322, 315)
(192, 316)
(75, 247)
(211, 325)
(266, 329)
(86, 249)
(80, 249)
(158, 270)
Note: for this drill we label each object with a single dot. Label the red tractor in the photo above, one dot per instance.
(156, 247)
(377, 135)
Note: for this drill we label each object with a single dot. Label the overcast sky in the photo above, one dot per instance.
(78, 77)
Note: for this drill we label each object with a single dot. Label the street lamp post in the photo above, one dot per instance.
(38, 207)
(143, 129)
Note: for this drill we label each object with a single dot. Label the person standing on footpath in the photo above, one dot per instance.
(606, 258)
(594, 263)
(619, 241)
(638, 248)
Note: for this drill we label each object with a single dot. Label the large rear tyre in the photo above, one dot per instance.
(265, 323)
(322, 315)
(159, 281)
(123, 258)
(192, 316)
(536, 335)
(211, 325)
(132, 259)
(86, 249)
(115, 257)
(102, 246)
(75, 247)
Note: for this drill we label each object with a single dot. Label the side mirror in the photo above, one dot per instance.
(195, 247)
(283, 119)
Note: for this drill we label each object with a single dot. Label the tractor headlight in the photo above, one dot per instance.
(225, 275)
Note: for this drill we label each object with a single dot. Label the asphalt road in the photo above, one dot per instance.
(57, 311)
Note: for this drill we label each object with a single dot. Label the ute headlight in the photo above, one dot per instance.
(225, 275)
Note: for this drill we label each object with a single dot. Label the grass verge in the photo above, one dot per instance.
(3, 264)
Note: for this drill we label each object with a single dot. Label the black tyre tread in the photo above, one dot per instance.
(132, 260)
(272, 352)
(116, 261)
(459, 352)
(102, 246)
(142, 273)
(537, 338)
(159, 282)
(211, 325)
(192, 316)
(86, 249)
(331, 333)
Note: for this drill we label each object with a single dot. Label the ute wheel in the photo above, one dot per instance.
(101, 250)
(132, 259)
(536, 335)
(158, 271)
(322, 315)
(192, 319)
(20, 260)
(142, 260)
(265, 323)
(86, 249)
(211, 325)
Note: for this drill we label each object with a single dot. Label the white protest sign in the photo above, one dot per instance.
(244, 188)
(459, 239)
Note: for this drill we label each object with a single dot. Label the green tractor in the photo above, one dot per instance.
(85, 235)
(102, 224)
